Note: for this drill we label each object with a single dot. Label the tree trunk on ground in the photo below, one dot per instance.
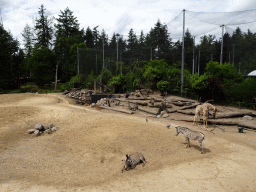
(147, 111)
(119, 110)
(233, 115)
(250, 126)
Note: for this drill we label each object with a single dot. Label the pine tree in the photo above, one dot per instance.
(67, 34)
(96, 37)
(43, 28)
(67, 24)
(161, 40)
(8, 51)
(28, 39)
(89, 38)
(132, 45)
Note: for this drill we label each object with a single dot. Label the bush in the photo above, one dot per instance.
(118, 82)
(106, 76)
(129, 79)
(76, 79)
(174, 78)
(162, 86)
(67, 86)
(243, 92)
(154, 71)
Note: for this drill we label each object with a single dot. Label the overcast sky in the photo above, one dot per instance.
(122, 15)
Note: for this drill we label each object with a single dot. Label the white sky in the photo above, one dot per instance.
(118, 16)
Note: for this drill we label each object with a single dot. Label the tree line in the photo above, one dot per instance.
(47, 43)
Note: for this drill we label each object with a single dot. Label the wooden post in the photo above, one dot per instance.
(95, 87)
(56, 76)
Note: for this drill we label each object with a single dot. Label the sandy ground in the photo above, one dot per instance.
(86, 152)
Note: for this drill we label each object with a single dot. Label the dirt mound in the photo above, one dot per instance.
(89, 146)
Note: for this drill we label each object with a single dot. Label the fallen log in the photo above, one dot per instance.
(233, 115)
(138, 98)
(186, 112)
(133, 102)
(221, 122)
(158, 105)
(210, 121)
(189, 107)
(113, 109)
(178, 103)
(147, 111)
(172, 111)
(183, 108)
(250, 126)
(184, 101)
(139, 103)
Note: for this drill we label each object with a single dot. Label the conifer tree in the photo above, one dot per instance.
(43, 28)
(8, 52)
(67, 34)
(28, 39)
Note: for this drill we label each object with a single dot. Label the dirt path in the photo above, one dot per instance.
(86, 153)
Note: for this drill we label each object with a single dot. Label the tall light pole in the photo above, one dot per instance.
(183, 55)
(233, 54)
(193, 56)
(77, 60)
(117, 35)
(103, 51)
(221, 54)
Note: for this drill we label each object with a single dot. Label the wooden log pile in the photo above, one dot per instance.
(158, 107)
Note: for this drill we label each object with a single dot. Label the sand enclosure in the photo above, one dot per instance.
(86, 152)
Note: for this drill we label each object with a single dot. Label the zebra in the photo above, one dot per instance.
(189, 134)
(132, 160)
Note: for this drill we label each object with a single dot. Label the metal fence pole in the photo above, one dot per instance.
(183, 55)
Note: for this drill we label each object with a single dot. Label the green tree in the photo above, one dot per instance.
(154, 72)
(96, 37)
(8, 52)
(67, 35)
(188, 43)
(161, 40)
(43, 28)
(28, 39)
(206, 47)
(43, 64)
(89, 38)
(132, 45)
(174, 79)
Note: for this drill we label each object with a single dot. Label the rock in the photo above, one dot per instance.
(30, 131)
(37, 132)
(39, 127)
(51, 126)
(165, 115)
(66, 92)
(247, 117)
(54, 129)
(46, 127)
